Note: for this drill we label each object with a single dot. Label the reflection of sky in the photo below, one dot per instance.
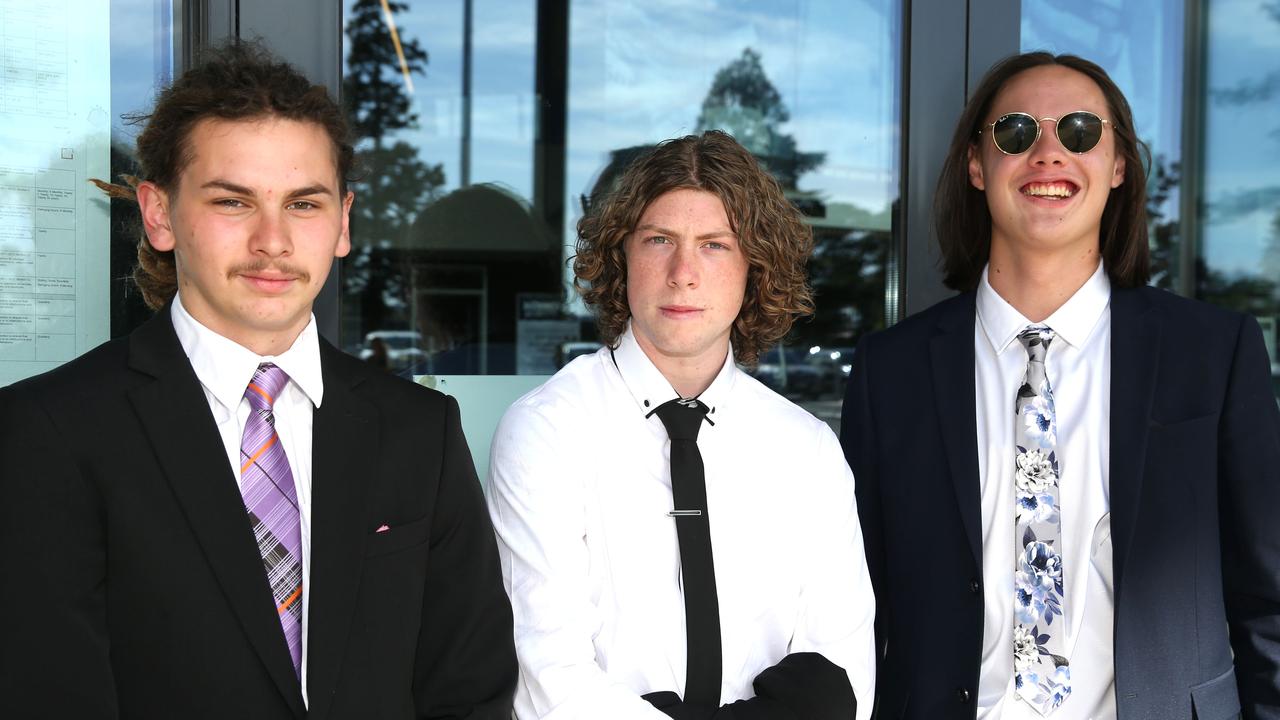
(502, 87)
(638, 74)
(1242, 147)
(141, 58)
(1141, 45)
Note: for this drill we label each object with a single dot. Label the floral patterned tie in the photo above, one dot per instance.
(1042, 675)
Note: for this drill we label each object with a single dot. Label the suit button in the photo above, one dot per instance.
(974, 586)
(962, 695)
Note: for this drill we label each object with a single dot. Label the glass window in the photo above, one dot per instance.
(1238, 264)
(487, 126)
(1140, 45)
(1235, 236)
(67, 70)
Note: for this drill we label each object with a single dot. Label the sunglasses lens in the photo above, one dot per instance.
(1015, 133)
(1080, 131)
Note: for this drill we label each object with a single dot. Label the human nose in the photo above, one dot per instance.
(271, 235)
(683, 268)
(1047, 150)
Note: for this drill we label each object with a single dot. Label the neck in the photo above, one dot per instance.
(1037, 284)
(689, 376)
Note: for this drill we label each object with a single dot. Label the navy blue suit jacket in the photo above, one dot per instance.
(1195, 509)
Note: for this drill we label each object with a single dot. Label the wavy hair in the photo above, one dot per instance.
(962, 219)
(239, 81)
(773, 236)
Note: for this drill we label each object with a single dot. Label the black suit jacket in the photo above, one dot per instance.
(1195, 509)
(131, 585)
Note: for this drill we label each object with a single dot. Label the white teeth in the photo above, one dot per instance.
(1049, 190)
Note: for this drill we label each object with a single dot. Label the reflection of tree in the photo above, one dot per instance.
(396, 183)
(743, 102)
(1161, 183)
(128, 310)
(847, 267)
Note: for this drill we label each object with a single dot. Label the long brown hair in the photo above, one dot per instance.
(239, 81)
(772, 233)
(960, 214)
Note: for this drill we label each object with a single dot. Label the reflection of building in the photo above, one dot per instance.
(468, 256)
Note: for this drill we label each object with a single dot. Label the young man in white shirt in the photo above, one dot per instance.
(221, 515)
(623, 609)
(1066, 478)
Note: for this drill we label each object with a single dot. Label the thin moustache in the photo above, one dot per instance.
(275, 270)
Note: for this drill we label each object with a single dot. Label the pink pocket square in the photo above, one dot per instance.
(382, 528)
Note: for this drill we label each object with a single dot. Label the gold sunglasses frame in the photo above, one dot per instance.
(989, 128)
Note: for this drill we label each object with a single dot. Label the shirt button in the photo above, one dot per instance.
(962, 695)
(974, 586)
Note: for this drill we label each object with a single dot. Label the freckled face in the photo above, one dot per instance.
(255, 224)
(1047, 198)
(686, 278)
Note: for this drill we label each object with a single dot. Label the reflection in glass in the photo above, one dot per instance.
(1239, 251)
(809, 87)
(1140, 45)
(475, 269)
(142, 61)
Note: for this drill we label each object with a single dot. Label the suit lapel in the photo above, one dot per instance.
(344, 463)
(1135, 359)
(174, 412)
(951, 356)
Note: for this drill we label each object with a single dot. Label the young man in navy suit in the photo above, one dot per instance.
(221, 515)
(1066, 479)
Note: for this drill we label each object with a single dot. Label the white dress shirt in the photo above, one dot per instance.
(579, 489)
(1078, 364)
(224, 369)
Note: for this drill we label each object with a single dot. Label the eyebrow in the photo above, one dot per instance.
(316, 189)
(705, 236)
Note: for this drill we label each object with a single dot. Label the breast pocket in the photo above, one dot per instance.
(398, 537)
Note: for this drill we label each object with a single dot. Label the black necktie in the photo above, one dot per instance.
(683, 419)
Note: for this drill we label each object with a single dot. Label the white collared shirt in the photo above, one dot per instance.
(579, 490)
(224, 369)
(1078, 364)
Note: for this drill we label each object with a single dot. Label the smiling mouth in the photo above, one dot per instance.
(1059, 190)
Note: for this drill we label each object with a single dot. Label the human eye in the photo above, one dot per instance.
(658, 240)
(303, 205)
(228, 203)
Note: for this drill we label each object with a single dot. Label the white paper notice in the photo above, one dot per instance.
(55, 100)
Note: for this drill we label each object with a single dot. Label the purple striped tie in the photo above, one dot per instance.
(269, 495)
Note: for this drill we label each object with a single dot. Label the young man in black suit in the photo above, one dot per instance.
(221, 515)
(1066, 479)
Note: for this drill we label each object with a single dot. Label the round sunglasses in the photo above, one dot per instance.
(1015, 133)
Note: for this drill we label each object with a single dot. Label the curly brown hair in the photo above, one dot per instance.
(238, 81)
(773, 236)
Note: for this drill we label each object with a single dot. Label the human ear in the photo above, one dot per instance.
(975, 169)
(153, 204)
(1117, 173)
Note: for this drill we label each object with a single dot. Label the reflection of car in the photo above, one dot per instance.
(812, 373)
(571, 350)
(837, 360)
(788, 371)
(404, 347)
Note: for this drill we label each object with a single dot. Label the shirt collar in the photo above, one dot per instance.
(225, 367)
(1073, 322)
(649, 388)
